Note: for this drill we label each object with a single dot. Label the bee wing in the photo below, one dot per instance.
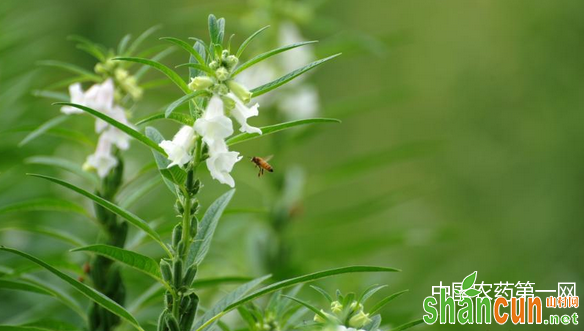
(268, 158)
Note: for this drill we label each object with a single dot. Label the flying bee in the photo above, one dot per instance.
(262, 164)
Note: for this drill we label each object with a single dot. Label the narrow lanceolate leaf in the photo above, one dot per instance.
(294, 281)
(206, 322)
(369, 292)
(216, 29)
(385, 301)
(138, 41)
(59, 96)
(323, 293)
(87, 291)
(43, 128)
(54, 233)
(21, 286)
(266, 55)
(182, 100)
(307, 305)
(408, 325)
(58, 294)
(162, 68)
(177, 117)
(267, 130)
(186, 46)
(45, 204)
(132, 259)
(207, 226)
(123, 127)
(71, 68)
(133, 219)
(288, 77)
(63, 164)
(138, 192)
(52, 325)
(249, 40)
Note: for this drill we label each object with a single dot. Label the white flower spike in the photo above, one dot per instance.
(221, 162)
(214, 126)
(180, 148)
(102, 160)
(241, 113)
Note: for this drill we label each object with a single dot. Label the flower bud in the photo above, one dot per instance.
(359, 320)
(214, 65)
(336, 307)
(231, 61)
(201, 83)
(222, 73)
(224, 54)
(239, 90)
(319, 319)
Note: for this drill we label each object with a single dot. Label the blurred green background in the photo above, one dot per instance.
(460, 147)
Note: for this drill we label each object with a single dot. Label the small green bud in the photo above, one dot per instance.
(231, 61)
(224, 54)
(121, 74)
(359, 320)
(336, 307)
(165, 270)
(176, 234)
(222, 74)
(239, 90)
(178, 266)
(355, 307)
(201, 83)
(319, 319)
(214, 65)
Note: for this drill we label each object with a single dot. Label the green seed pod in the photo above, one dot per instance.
(172, 323)
(162, 321)
(178, 268)
(168, 299)
(188, 316)
(178, 207)
(176, 234)
(165, 270)
(194, 225)
(190, 276)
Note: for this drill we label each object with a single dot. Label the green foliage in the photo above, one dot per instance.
(173, 76)
(267, 55)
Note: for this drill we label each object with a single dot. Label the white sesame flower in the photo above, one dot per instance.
(102, 160)
(344, 328)
(214, 126)
(241, 113)
(300, 103)
(77, 96)
(117, 137)
(221, 162)
(179, 149)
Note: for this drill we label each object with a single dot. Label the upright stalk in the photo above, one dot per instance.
(103, 272)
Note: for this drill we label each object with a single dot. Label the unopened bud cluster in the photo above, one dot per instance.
(352, 315)
(122, 79)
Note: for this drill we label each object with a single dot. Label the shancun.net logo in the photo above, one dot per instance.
(471, 303)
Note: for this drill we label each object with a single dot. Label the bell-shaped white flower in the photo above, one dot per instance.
(214, 126)
(118, 137)
(77, 96)
(221, 162)
(102, 161)
(241, 113)
(99, 97)
(180, 148)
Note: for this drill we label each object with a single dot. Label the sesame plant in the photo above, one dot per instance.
(218, 109)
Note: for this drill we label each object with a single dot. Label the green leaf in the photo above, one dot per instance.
(208, 320)
(472, 292)
(65, 237)
(309, 306)
(133, 219)
(59, 96)
(216, 29)
(63, 164)
(159, 56)
(266, 55)
(249, 40)
(267, 130)
(182, 100)
(43, 128)
(132, 259)
(199, 68)
(71, 68)
(58, 294)
(293, 281)
(123, 44)
(174, 77)
(93, 49)
(385, 301)
(21, 286)
(408, 325)
(52, 325)
(186, 46)
(199, 48)
(469, 281)
(44, 204)
(369, 292)
(177, 117)
(288, 77)
(138, 192)
(162, 162)
(123, 127)
(87, 291)
(206, 229)
(20, 328)
(138, 41)
(323, 292)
